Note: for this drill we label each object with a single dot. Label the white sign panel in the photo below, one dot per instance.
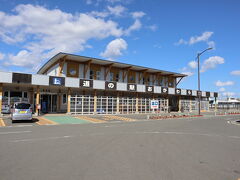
(154, 104)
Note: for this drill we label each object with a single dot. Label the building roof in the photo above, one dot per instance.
(84, 59)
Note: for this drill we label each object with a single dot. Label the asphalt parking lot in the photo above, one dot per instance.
(187, 149)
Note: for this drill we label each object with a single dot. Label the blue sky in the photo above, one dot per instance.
(165, 35)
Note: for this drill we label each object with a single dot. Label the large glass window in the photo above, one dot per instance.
(117, 77)
(98, 75)
(111, 76)
(64, 98)
(15, 94)
(91, 76)
(5, 94)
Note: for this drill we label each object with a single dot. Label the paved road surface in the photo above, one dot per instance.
(172, 149)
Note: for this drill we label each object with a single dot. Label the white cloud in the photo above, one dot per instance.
(152, 27)
(193, 64)
(138, 14)
(89, 1)
(211, 63)
(99, 14)
(117, 10)
(24, 58)
(47, 32)
(114, 1)
(189, 73)
(135, 26)
(114, 49)
(157, 46)
(211, 44)
(237, 73)
(204, 37)
(181, 41)
(227, 83)
(222, 89)
(2, 56)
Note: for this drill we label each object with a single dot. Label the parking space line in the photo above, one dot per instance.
(94, 120)
(44, 121)
(2, 123)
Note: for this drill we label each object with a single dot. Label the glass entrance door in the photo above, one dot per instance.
(48, 103)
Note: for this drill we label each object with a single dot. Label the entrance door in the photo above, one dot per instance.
(48, 103)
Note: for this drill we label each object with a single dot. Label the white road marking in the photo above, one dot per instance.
(17, 126)
(14, 132)
(41, 139)
(183, 133)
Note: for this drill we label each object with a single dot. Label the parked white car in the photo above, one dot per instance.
(21, 111)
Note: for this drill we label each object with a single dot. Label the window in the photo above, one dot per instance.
(25, 95)
(117, 77)
(22, 106)
(131, 78)
(111, 75)
(143, 80)
(98, 75)
(148, 81)
(64, 98)
(15, 94)
(91, 74)
(5, 94)
(162, 82)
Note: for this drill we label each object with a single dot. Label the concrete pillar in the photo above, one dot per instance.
(95, 102)
(179, 104)
(37, 99)
(31, 96)
(215, 104)
(1, 97)
(137, 103)
(69, 101)
(117, 102)
(190, 105)
(168, 105)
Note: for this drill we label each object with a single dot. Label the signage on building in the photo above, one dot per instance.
(154, 104)
(21, 78)
(131, 87)
(178, 91)
(56, 81)
(86, 83)
(110, 85)
(164, 90)
(150, 89)
(189, 92)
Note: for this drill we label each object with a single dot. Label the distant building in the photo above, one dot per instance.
(229, 103)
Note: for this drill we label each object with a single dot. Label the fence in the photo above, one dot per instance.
(192, 105)
(81, 104)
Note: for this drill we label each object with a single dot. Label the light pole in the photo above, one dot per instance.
(199, 95)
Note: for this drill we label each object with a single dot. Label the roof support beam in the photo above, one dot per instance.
(179, 81)
(141, 74)
(107, 70)
(61, 65)
(126, 72)
(86, 68)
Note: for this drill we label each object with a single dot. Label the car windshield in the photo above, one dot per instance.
(22, 106)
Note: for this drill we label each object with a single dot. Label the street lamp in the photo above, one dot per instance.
(199, 95)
